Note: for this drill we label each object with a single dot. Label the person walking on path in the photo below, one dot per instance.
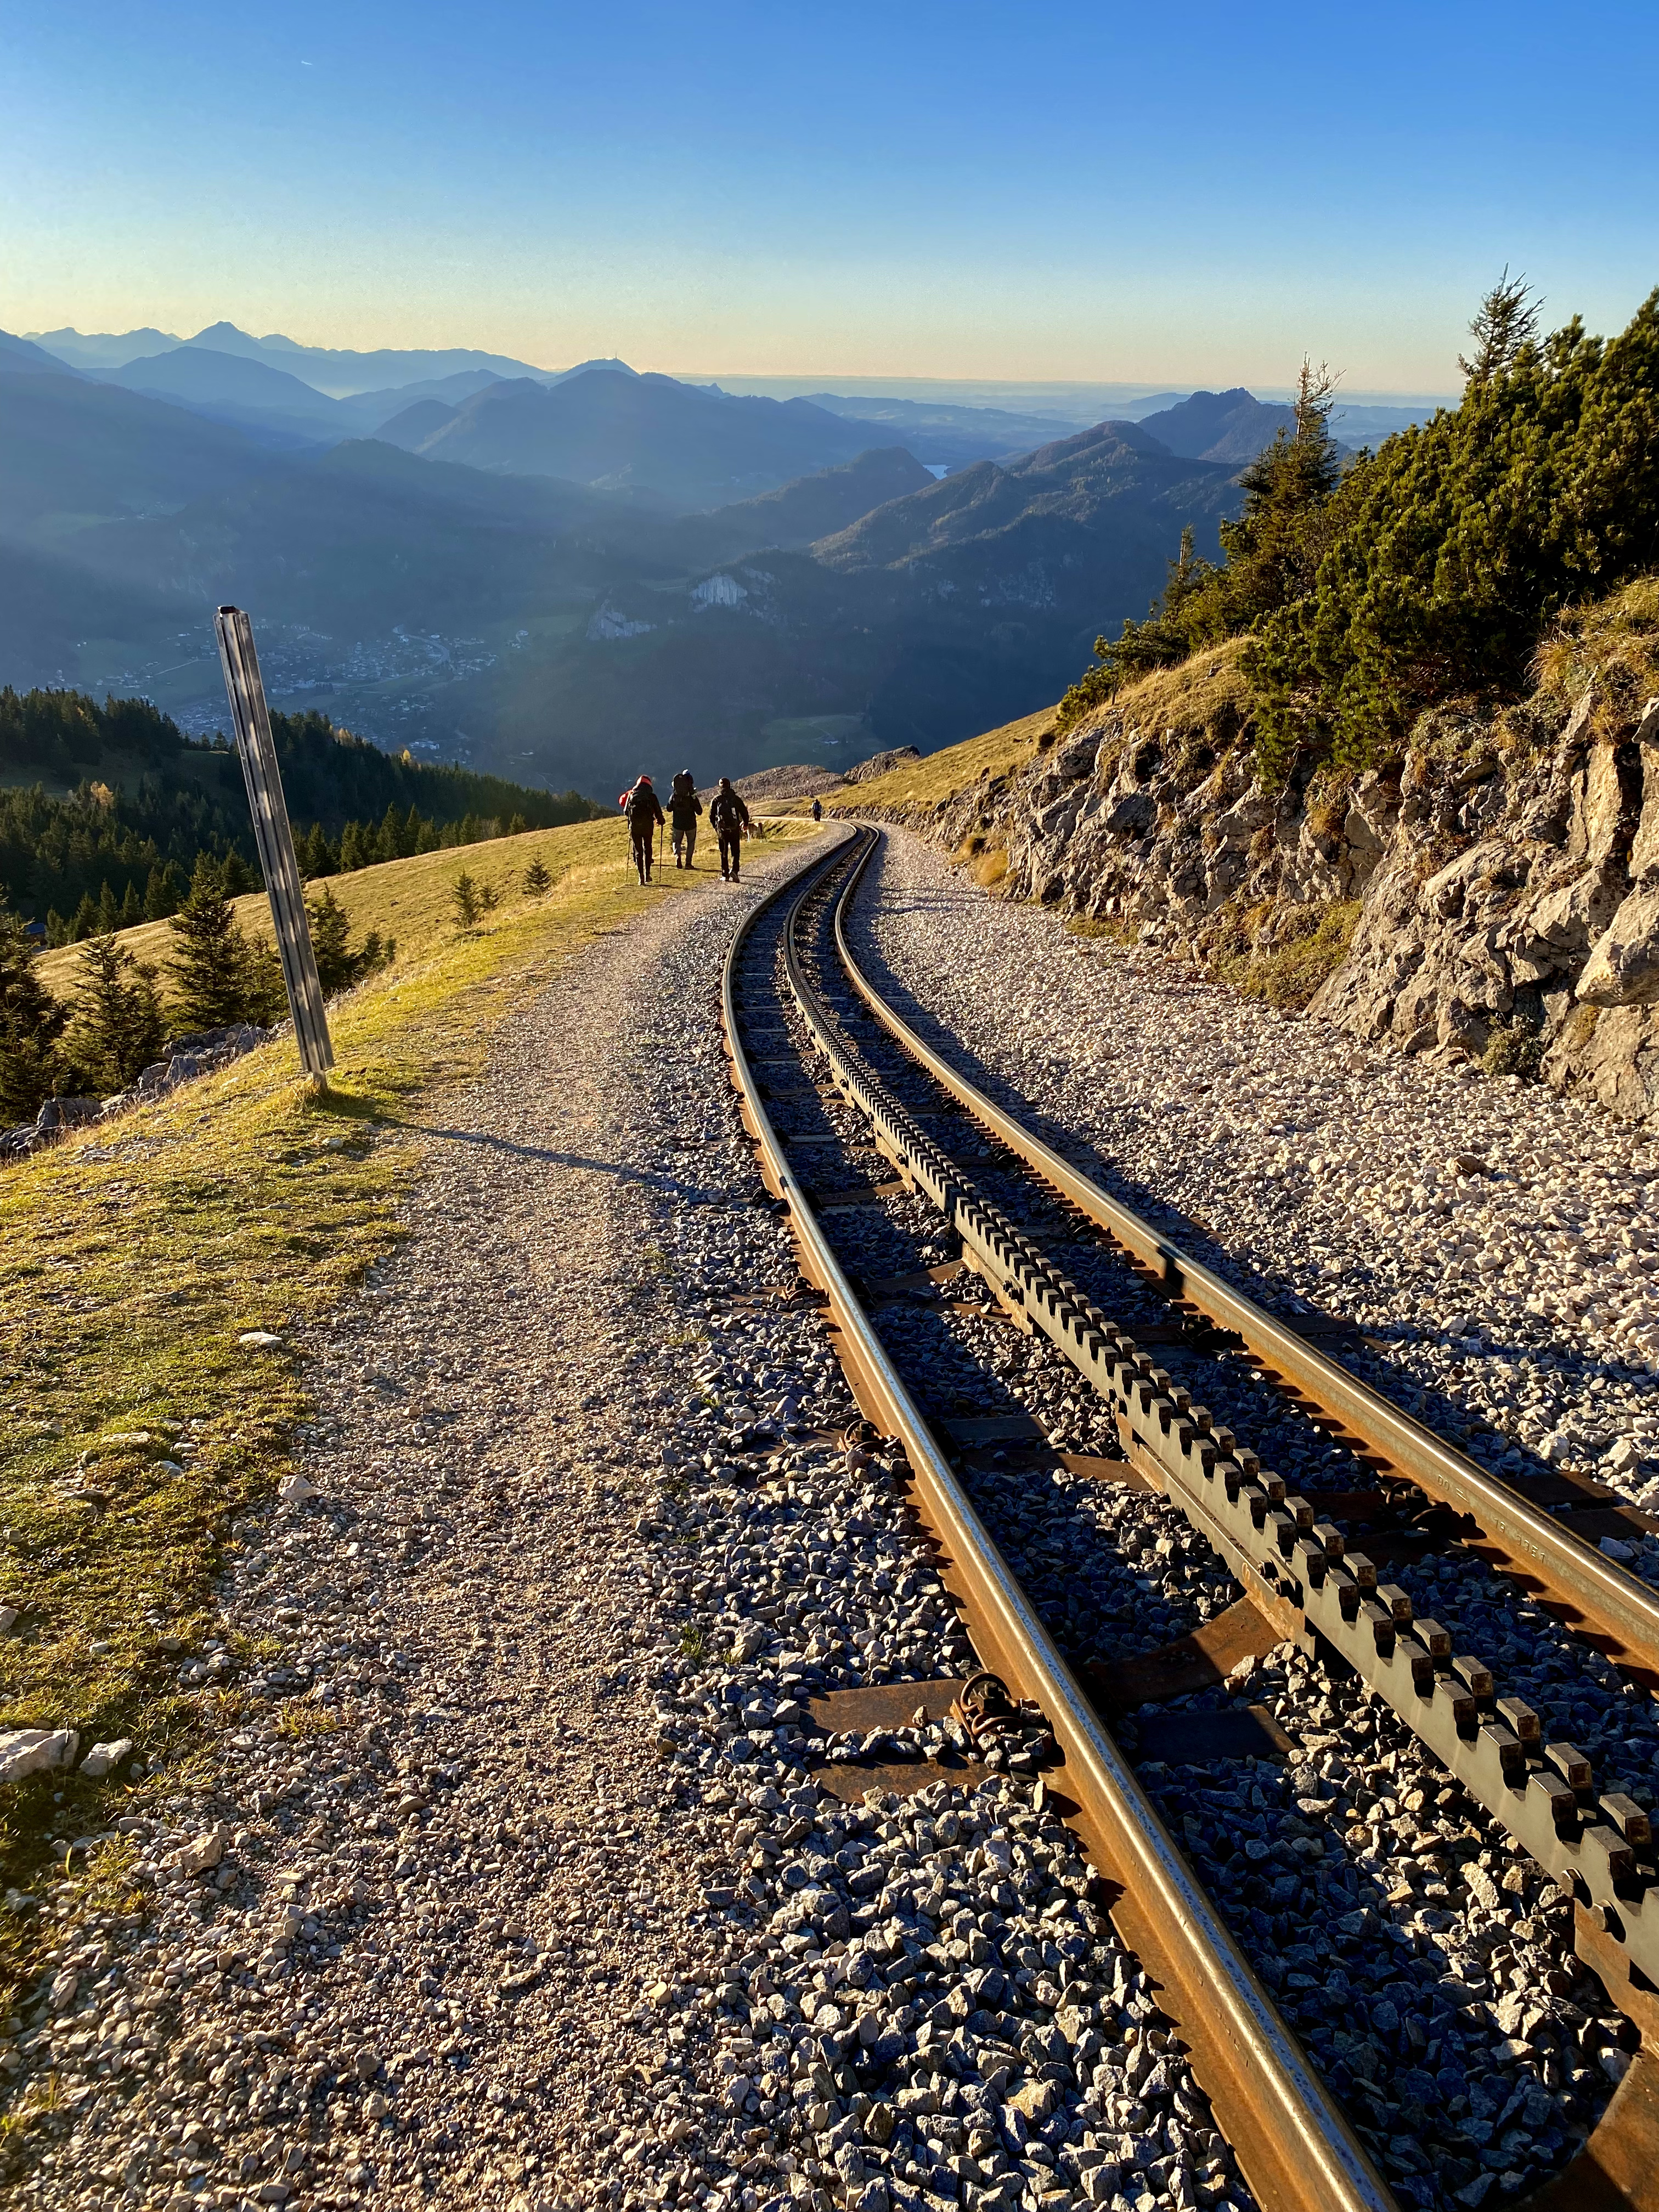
(817, 810)
(728, 817)
(683, 808)
(642, 810)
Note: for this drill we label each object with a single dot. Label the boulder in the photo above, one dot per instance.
(1623, 967)
(1131, 815)
(59, 1113)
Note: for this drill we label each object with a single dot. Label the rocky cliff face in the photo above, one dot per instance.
(1492, 896)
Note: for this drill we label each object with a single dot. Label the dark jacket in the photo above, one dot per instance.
(684, 803)
(728, 813)
(642, 809)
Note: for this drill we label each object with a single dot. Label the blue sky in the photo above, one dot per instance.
(1088, 193)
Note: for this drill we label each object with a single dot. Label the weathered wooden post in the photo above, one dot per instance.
(257, 750)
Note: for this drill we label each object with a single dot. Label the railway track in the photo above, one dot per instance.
(1323, 1561)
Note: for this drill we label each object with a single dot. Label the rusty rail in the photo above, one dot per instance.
(1615, 1610)
(1295, 2147)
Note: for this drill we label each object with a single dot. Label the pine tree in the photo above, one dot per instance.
(355, 850)
(431, 837)
(1449, 551)
(1506, 320)
(537, 880)
(30, 1023)
(210, 968)
(465, 896)
(165, 892)
(117, 1028)
(337, 965)
(388, 841)
(109, 913)
(132, 908)
(266, 1002)
(207, 877)
(517, 826)
(316, 856)
(83, 923)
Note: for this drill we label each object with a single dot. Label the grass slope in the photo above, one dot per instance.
(409, 900)
(920, 787)
(134, 1255)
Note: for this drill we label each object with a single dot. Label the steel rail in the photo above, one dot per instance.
(1614, 1610)
(1294, 2145)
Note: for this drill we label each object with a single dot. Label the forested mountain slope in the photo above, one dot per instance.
(95, 799)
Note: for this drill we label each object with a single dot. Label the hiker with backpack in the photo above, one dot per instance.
(642, 811)
(728, 817)
(683, 808)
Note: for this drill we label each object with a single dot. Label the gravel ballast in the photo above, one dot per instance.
(509, 1882)
(1500, 1240)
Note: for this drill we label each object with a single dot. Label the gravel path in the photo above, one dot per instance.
(446, 1866)
(512, 1885)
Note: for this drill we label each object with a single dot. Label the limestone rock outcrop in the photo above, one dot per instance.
(1498, 893)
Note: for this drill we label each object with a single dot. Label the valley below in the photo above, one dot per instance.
(546, 576)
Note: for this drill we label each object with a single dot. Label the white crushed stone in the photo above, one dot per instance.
(1501, 1239)
(509, 1884)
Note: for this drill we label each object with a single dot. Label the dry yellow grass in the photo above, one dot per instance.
(134, 1254)
(409, 900)
(923, 783)
(1190, 696)
(1614, 645)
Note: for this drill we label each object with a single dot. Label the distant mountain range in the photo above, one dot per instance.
(1220, 426)
(554, 574)
(337, 373)
(617, 432)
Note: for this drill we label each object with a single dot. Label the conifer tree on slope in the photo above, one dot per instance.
(337, 965)
(117, 1030)
(30, 1023)
(211, 967)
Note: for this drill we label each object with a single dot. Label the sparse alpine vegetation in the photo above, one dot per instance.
(1430, 571)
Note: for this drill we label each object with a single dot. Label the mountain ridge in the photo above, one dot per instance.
(235, 386)
(1220, 426)
(539, 621)
(20, 357)
(692, 446)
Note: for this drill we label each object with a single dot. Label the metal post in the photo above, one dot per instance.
(257, 750)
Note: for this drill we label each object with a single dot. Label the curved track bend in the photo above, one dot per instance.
(1304, 1582)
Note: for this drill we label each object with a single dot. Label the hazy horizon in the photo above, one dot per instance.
(964, 390)
(940, 195)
